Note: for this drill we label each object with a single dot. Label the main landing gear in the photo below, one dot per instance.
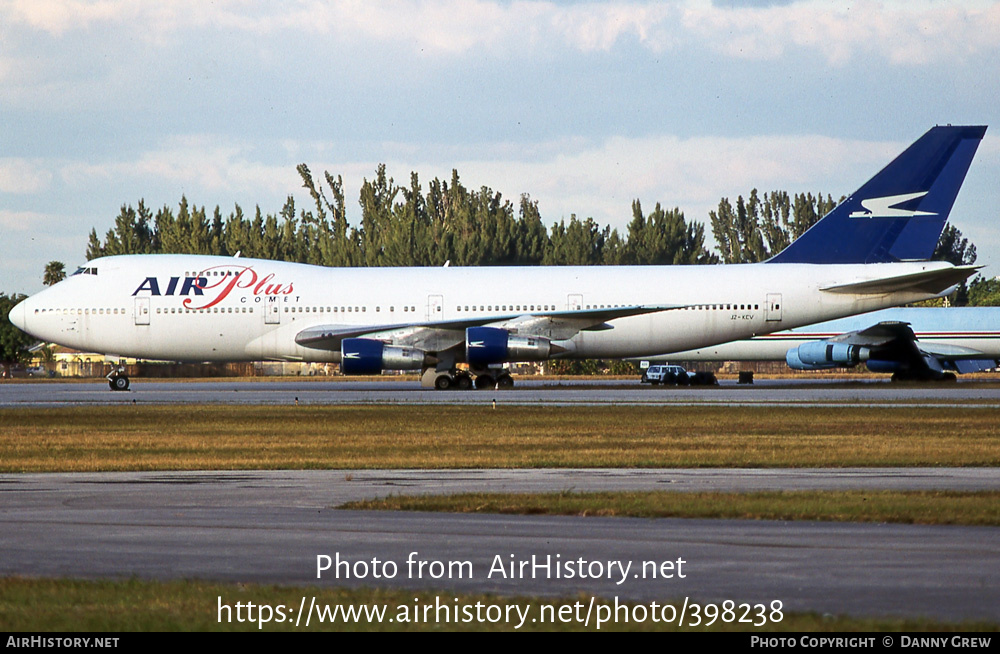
(118, 380)
(464, 380)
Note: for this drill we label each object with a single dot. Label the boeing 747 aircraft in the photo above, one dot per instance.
(913, 343)
(868, 253)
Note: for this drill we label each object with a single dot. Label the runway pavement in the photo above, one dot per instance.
(271, 526)
(527, 392)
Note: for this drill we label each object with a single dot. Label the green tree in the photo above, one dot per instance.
(14, 343)
(532, 241)
(984, 292)
(581, 243)
(955, 249)
(55, 272)
(665, 238)
(758, 228)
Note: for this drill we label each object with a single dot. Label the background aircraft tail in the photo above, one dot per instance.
(899, 213)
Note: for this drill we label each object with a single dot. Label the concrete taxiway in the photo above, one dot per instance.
(271, 527)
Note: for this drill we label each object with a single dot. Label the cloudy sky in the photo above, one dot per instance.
(584, 106)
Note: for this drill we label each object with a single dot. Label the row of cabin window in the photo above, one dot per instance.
(723, 307)
(505, 307)
(212, 310)
(407, 309)
(546, 307)
(81, 312)
(211, 273)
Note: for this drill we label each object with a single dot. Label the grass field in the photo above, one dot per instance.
(909, 507)
(136, 438)
(141, 437)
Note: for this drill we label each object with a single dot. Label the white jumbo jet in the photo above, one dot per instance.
(868, 253)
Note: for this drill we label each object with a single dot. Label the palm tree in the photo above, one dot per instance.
(55, 271)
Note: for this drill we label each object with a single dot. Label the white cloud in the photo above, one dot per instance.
(902, 33)
(192, 164)
(910, 34)
(24, 221)
(23, 176)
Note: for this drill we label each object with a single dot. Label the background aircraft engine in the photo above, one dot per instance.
(368, 356)
(824, 354)
(486, 345)
(886, 366)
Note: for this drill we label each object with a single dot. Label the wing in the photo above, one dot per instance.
(893, 341)
(436, 336)
(888, 341)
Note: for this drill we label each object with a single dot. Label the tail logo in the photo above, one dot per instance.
(885, 207)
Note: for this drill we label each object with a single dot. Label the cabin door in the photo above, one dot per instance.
(272, 312)
(772, 308)
(142, 311)
(435, 307)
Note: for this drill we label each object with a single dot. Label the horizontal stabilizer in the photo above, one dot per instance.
(927, 281)
(974, 365)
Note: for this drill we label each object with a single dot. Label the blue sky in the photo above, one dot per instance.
(584, 106)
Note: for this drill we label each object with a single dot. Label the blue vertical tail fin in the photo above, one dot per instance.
(899, 213)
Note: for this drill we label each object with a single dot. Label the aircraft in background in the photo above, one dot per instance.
(868, 253)
(913, 343)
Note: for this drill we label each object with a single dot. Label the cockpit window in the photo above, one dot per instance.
(85, 271)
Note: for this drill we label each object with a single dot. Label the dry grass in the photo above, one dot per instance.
(232, 437)
(909, 507)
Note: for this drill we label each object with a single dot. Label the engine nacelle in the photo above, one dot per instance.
(486, 345)
(879, 365)
(820, 355)
(368, 356)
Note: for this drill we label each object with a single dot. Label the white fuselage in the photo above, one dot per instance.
(148, 306)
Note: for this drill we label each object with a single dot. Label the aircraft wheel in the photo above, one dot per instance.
(463, 382)
(505, 381)
(119, 383)
(443, 382)
(485, 381)
(949, 377)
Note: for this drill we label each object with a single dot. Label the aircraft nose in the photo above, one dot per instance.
(19, 316)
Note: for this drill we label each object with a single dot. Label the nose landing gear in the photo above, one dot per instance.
(118, 380)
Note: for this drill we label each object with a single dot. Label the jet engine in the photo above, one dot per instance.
(486, 345)
(820, 355)
(368, 356)
(886, 366)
